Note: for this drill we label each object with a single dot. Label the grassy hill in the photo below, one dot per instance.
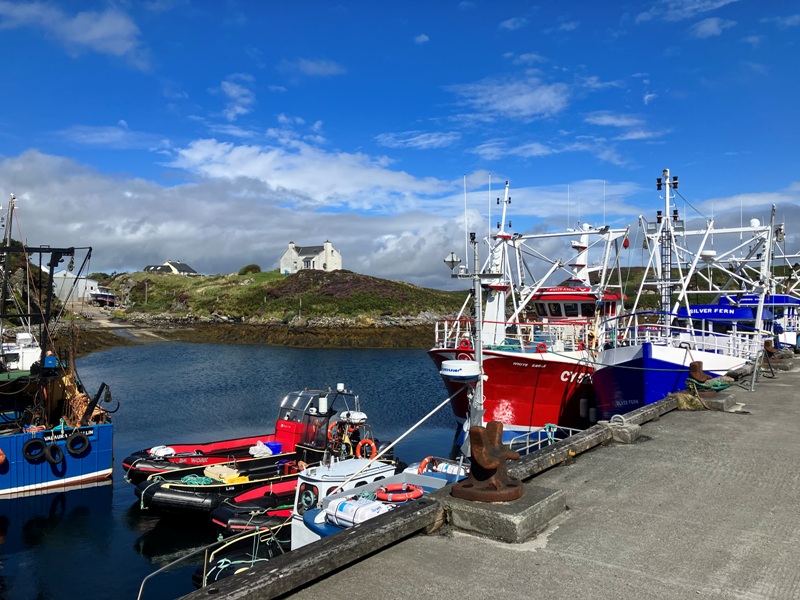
(272, 295)
(313, 294)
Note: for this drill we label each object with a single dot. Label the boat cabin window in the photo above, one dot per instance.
(541, 309)
(291, 414)
(570, 309)
(587, 309)
(307, 496)
(555, 309)
(315, 432)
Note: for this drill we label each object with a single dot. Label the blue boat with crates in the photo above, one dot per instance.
(53, 434)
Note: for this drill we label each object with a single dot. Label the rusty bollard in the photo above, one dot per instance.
(488, 479)
(696, 372)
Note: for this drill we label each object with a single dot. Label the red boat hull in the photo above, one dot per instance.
(525, 390)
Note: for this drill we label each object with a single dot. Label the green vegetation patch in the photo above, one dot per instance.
(272, 295)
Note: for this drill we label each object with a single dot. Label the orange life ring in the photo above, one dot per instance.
(541, 347)
(465, 345)
(366, 442)
(399, 492)
(428, 460)
(331, 428)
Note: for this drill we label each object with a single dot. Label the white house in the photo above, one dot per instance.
(319, 258)
(65, 283)
(174, 267)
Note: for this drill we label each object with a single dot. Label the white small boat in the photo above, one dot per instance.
(331, 497)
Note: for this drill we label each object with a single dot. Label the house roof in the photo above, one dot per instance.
(181, 267)
(309, 250)
(157, 269)
(167, 267)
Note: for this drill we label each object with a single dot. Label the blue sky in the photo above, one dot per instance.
(216, 132)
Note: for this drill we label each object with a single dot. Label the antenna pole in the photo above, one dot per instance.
(489, 232)
(7, 262)
(466, 235)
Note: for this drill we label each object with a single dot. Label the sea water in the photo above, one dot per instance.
(97, 543)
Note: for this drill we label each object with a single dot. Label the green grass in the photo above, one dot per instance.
(272, 295)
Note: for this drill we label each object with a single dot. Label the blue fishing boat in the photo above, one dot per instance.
(784, 311)
(53, 434)
(644, 355)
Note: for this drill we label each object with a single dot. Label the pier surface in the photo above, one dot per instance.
(705, 505)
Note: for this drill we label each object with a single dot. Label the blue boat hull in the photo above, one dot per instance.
(641, 379)
(20, 475)
(629, 377)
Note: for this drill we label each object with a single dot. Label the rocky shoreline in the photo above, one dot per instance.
(101, 331)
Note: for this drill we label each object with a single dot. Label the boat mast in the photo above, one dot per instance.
(494, 319)
(6, 264)
(666, 245)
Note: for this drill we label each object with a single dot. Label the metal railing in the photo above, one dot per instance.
(532, 441)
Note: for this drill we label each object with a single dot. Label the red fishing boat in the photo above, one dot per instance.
(536, 337)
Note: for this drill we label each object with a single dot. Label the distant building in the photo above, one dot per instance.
(68, 287)
(174, 267)
(318, 258)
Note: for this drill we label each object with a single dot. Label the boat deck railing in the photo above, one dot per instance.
(737, 339)
(533, 336)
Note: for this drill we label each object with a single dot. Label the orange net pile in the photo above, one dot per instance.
(76, 403)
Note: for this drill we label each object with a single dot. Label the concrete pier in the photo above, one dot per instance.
(704, 504)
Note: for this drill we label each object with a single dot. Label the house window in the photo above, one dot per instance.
(307, 263)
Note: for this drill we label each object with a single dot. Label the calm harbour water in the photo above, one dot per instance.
(97, 543)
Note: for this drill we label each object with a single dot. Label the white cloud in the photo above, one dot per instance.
(317, 179)
(531, 149)
(648, 98)
(525, 99)
(514, 23)
(418, 139)
(528, 58)
(595, 83)
(712, 26)
(117, 136)
(132, 222)
(680, 10)
(750, 202)
(421, 39)
(312, 67)
(241, 99)
(753, 40)
(110, 32)
(613, 120)
(640, 134)
(783, 22)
